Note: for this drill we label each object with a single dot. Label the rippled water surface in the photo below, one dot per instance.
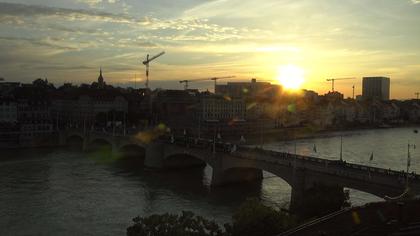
(62, 192)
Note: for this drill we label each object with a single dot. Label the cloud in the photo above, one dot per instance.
(90, 2)
(234, 9)
(49, 42)
(19, 14)
(24, 11)
(96, 2)
(240, 37)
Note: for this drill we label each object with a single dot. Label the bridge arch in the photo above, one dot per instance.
(232, 168)
(358, 197)
(181, 160)
(301, 173)
(75, 140)
(100, 143)
(132, 150)
(376, 190)
(301, 178)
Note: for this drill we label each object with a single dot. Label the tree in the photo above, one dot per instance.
(40, 83)
(186, 224)
(253, 218)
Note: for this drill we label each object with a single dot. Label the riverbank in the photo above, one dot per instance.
(29, 140)
(299, 133)
(268, 136)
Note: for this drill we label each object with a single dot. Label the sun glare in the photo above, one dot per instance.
(291, 76)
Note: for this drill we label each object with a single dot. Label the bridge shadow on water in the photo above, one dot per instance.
(190, 184)
(184, 183)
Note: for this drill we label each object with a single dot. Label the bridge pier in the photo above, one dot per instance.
(114, 149)
(298, 190)
(154, 155)
(235, 175)
(62, 138)
(305, 186)
(85, 143)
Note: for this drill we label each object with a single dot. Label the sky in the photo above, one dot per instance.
(69, 40)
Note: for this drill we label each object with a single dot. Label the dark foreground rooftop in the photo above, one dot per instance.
(381, 218)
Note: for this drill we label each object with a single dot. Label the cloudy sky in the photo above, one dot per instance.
(68, 40)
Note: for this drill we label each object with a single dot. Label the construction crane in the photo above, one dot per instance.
(147, 62)
(186, 82)
(334, 79)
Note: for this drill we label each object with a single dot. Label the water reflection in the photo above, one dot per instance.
(192, 184)
(389, 147)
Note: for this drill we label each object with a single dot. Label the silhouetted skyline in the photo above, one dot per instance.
(68, 40)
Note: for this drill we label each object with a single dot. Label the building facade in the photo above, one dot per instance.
(95, 106)
(175, 108)
(376, 88)
(8, 111)
(250, 90)
(217, 107)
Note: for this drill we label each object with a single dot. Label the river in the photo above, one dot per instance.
(64, 192)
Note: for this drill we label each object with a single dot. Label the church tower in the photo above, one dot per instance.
(101, 82)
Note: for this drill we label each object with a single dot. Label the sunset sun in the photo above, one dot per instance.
(291, 77)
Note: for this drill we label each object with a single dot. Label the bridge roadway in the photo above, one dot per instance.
(246, 164)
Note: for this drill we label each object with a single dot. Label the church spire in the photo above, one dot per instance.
(101, 78)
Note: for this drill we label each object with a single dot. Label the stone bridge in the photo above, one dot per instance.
(247, 164)
(89, 139)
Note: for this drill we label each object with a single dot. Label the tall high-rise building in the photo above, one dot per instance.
(376, 88)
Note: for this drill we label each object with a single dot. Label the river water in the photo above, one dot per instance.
(63, 192)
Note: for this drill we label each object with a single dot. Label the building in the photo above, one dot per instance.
(376, 88)
(34, 115)
(90, 108)
(9, 127)
(139, 106)
(310, 96)
(175, 108)
(8, 110)
(101, 81)
(250, 90)
(333, 96)
(217, 107)
(100, 84)
(95, 106)
(7, 88)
